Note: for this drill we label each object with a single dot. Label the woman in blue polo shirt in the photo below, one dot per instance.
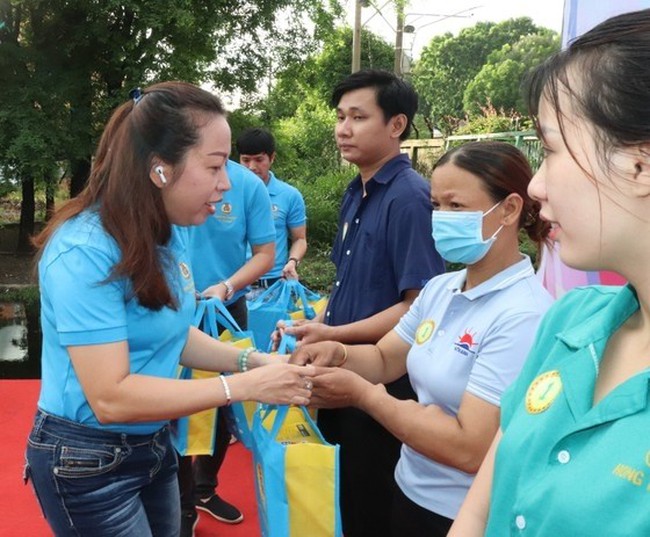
(574, 456)
(462, 342)
(117, 300)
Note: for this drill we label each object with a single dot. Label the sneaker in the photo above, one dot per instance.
(220, 509)
(188, 523)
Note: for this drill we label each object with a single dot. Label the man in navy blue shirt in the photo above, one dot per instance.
(384, 254)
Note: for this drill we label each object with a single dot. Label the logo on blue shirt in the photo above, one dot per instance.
(185, 270)
(465, 343)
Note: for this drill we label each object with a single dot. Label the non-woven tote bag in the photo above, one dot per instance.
(296, 475)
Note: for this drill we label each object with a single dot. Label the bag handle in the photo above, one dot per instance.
(278, 288)
(299, 290)
(199, 312)
(287, 343)
(213, 312)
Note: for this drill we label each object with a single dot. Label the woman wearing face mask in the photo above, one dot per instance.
(463, 341)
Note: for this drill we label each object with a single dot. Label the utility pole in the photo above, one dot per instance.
(356, 37)
(399, 38)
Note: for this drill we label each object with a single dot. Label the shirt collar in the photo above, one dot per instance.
(273, 183)
(604, 322)
(387, 172)
(507, 277)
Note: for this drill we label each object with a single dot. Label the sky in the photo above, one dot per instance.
(434, 17)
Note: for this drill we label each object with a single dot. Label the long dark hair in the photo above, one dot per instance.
(504, 170)
(164, 123)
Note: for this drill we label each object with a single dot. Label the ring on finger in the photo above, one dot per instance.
(308, 384)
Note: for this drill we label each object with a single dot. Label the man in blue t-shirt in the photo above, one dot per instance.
(218, 253)
(256, 148)
(384, 254)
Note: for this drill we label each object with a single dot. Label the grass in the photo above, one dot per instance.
(28, 295)
(316, 271)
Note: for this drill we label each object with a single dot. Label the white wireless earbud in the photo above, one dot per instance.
(161, 174)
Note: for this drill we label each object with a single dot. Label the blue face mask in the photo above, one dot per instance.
(459, 235)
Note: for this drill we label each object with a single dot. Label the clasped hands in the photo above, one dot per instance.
(332, 386)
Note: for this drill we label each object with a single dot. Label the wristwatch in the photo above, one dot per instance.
(295, 260)
(230, 290)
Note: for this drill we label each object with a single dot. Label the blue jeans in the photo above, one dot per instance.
(100, 483)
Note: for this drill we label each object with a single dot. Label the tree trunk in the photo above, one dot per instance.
(80, 169)
(27, 211)
(50, 191)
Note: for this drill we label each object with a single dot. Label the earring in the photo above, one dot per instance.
(161, 174)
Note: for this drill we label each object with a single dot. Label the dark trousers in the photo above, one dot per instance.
(198, 479)
(408, 519)
(368, 456)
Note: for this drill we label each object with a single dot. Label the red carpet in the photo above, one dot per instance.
(20, 515)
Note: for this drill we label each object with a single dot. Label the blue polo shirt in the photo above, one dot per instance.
(565, 466)
(218, 246)
(288, 209)
(383, 246)
(78, 307)
(471, 341)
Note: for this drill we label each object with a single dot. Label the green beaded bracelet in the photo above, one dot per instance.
(242, 359)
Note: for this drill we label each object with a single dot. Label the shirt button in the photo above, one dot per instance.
(347, 253)
(563, 456)
(338, 283)
(328, 313)
(356, 221)
(520, 522)
(441, 333)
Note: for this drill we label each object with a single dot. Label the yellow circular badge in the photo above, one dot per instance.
(543, 391)
(424, 331)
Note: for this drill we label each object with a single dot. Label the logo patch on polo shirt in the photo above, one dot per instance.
(185, 270)
(424, 331)
(226, 208)
(275, 208)
(543, 391)
(465, 343)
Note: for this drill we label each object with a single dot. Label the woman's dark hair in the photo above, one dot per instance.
(394, 95)
(606, 75)
(504, 170)
(164, 123)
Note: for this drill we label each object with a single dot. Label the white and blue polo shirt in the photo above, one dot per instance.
(474, 341)
(288, 209)
(218, 246)
(79, 307)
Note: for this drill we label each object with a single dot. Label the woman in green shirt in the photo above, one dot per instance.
(574, 454)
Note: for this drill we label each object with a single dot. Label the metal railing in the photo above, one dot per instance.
(526, 141)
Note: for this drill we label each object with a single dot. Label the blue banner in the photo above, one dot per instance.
(582, 15)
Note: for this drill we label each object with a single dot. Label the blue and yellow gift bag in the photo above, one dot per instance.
(285, 299)
(195, 434)
(296, 475)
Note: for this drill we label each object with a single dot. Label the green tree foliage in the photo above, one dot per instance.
(317, 75)
(306, 145)
(499, 80)
(65, 65)
(448, 64)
